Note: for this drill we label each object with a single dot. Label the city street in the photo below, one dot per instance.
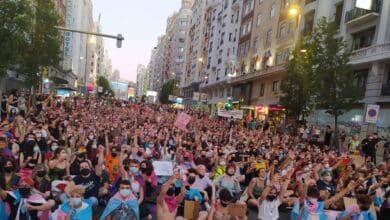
(195, 109)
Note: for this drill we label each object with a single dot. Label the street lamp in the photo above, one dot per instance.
(295, 11)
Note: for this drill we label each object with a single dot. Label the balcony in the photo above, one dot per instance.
(385, 90)
(258, 74)
(370, 54)
(359, 15)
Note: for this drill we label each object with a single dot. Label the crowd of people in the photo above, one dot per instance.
(75, 158)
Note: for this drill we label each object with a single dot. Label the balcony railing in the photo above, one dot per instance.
(385, 90)
(376, 52)
(359, 12)
(250, 76)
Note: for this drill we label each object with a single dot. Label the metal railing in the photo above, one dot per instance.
(358, 12)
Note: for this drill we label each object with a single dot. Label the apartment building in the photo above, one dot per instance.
(221, 39)
(142, 80)
(194, 51)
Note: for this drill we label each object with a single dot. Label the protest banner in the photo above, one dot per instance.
(236, 114)
(182, 121)
(163, 168)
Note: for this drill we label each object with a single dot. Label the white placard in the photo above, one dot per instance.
(237, 114)
(163, 168)
(196, 96)
(372, 113)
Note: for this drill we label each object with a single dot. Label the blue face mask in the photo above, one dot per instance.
(124, 192)
(146, 145)
(170, 142)
(134, 170)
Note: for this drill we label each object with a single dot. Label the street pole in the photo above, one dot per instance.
(85, 71)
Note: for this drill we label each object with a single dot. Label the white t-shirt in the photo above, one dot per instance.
(269, 210)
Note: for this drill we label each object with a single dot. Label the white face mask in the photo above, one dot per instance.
(36, 149)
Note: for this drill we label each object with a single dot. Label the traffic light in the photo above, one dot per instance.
(229, 105)
(119, 40)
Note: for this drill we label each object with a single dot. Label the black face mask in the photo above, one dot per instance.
(85, 171)
(9, 169)
(200, 176)
(191, 179)
(81, 156)
(41, 173)
(25, 192)
(126, 168)
(139, 153)
(171, 191)
(203, 156)
(385, 186)
(229, 174)
(271, 198)
(114, 154)
(185, 158)
(223, 204)
(364, 208)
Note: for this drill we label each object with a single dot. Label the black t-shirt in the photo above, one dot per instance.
(91, 184)
(321, 185)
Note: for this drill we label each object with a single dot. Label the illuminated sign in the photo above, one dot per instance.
(67, 65)
(364, 4)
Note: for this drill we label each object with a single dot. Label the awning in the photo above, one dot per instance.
(57, 80)
(66, 88)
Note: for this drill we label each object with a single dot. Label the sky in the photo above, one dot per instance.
(140, 22)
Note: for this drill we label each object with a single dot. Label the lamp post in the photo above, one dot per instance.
(295, 11)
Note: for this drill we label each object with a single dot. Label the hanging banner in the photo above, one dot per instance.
(203, 97)
(237, 114)
(372, 114)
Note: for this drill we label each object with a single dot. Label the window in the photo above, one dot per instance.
(255, 44)
(275, 86)
(268, 38)
(183, 23)
(361, 78)
(283, 30)
(249, 26)
(363, 39)
(309, 22)
(230, 36)
(228, 52)
(258, 20)
(260, 1)
(181, 49)
(338, 14)
(272, 11)
(262, 90)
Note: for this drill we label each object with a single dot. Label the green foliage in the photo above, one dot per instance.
(297, 84)
(44, 47)
(15, 27)
(335, 80)
(169, 88)
(103, 82)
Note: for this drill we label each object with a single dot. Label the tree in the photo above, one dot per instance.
(297, 84)
(169, 88)
(335, 87)
(103, 82)
(15, 26)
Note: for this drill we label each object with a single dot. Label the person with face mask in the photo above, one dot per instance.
(219, 208)
(76, 208)
(167, 201)
(269, 200)
(130, 171)
(326, 183)
(309, 205)
(8, 177)
(25, 203)
(111, 159)
(81, 156)
(41, 181)
(123, 205)
(90, 180)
